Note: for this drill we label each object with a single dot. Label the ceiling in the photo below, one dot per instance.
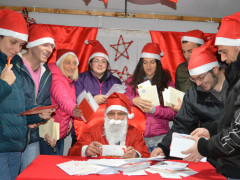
(196, 8)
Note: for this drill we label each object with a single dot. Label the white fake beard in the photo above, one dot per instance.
(115, 131)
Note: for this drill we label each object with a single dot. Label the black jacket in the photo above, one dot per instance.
(199, 109)
(225, 145)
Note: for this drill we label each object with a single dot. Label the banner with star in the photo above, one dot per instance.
(124, 48)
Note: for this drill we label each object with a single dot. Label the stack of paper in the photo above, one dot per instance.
(52, 128)
(130, 167)
(87, 104)
(171, 169)
(149, 92)
(181, 142)
(170, 96)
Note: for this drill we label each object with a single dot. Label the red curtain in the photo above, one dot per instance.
(70, 37)
(170, 44)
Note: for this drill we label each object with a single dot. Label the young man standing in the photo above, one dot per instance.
(37, 82)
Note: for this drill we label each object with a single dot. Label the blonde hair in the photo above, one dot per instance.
(75, 74)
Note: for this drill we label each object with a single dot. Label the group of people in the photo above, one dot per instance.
(209, 111)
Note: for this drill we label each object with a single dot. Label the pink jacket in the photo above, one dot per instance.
(62, 93)
(158, 122)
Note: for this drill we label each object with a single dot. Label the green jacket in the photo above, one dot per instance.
(182, 77)
(13, 128)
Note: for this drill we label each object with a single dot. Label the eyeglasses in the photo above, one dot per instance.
(199, 79)
(120, 115)
(96, 61)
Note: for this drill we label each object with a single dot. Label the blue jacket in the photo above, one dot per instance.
(13, 128)
(43, 96)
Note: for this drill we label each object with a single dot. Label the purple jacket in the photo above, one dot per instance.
(90, 83)
(62, 93)
(158, 122)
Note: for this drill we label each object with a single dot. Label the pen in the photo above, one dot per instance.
(9, 61)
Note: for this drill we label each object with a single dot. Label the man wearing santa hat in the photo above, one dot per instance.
(113, 131)
(190, 40)
(37, 80)
(203, 102)
(13, 128)
(225, 145)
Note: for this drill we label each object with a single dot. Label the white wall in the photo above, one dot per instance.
(123, 23)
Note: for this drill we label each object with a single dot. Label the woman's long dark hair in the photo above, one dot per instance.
(161, 77)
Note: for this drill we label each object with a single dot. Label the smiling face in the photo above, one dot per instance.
(69, 66)
(10, 45)
(149, 66)
(187, 48)
(42, 52)
(228, 53)
(207, 80)
(98, 66)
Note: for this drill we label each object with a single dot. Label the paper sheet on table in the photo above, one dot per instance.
(169, 175)
(119, 88)
(113, 150)
(169, 165)
(136, 173)
(80, 168)
(157, 158)
(107, 162)
(181, 142)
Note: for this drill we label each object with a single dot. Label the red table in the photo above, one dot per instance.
(44, 167)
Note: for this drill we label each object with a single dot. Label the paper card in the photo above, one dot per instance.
(187, 172)
(136, 173)
(169, 175)
(37, 110)
(107, 162)
(170, 165)
(113, 150)
(150, 93)
(181, 142)
(144, 84)
(119, 88)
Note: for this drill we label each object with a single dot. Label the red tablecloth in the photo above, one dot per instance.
(44, 167)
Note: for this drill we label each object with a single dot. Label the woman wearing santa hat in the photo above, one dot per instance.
(98, 80)
(150, 68)
(13, 128)
(62, 92)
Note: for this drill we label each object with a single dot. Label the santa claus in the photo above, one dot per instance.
(113, 131)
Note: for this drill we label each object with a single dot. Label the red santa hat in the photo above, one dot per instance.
(39, 35)
(13, 24)
(202, 60)
(62, 53)
(118, 101)
(98, 49)
(195, 36)
(229, 31)
(151, 50)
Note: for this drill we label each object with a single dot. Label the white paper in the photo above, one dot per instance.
(150, 93)
(80, 168)
(157, 158)
(144, 84)
(187, 172)
(136, 173)
(107, 162)
(170, 165)
(119, 88)
(181, 142)
(169, 175)
(113, 150)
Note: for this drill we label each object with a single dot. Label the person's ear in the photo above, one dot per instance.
(216, 70)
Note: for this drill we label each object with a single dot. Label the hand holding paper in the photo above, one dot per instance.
(94, 149)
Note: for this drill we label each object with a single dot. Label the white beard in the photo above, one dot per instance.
(115, 131)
